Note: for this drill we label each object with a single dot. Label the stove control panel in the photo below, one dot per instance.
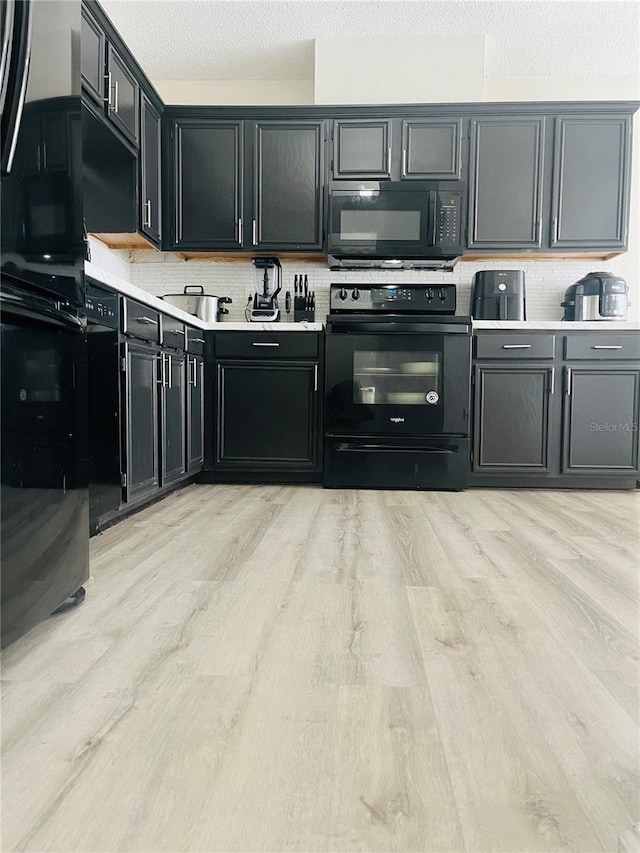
(101, 306)
(393, 299)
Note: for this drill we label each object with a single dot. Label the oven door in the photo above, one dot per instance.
(393, 381)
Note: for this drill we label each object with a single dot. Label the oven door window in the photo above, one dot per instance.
(397, 377)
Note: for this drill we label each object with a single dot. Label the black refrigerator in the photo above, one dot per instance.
(44, 511)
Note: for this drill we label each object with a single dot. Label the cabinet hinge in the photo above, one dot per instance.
(123, 481)
(123, 363)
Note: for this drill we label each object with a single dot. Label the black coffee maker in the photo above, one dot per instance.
(498, 295)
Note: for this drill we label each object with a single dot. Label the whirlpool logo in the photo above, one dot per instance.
(397, 420)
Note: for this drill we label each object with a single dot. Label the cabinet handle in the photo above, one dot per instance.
(147, 210)
(107, 77)
(163, 378)
(555, 229)
(568, 381)
(146, 320)
(553, 381)
(115, 97)
(264, 344)
(315, 377)
(602, 346)
(404, 162)
(240, 231)
(540, 231)
(516, 346)
(255, 240)
(170, 368)
(197, 340)
(389, 160)
(195, 373)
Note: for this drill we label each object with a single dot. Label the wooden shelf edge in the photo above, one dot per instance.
(540, 256)
(124, 241)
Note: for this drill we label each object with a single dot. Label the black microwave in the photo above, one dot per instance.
(395, 221)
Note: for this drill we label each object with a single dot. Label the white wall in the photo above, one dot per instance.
(235, 92)
(399, 69)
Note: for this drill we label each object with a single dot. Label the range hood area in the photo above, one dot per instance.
(338, 262)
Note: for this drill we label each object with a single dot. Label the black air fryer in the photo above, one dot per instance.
(498, 295)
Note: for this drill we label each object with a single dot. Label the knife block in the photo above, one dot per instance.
(300, 312)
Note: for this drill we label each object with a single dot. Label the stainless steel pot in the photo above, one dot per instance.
(200, 304)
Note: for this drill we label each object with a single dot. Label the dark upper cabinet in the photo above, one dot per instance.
(362, 149)
(288, 173)
(591, 181)
(195, 413)
(122, 95)
(431, 149)
(92, 52)
(505, 182)
(601, 407)
(512, 422)
(150, 171)
(172, 416)
(267, 416)
(141, 420)
(207, 184)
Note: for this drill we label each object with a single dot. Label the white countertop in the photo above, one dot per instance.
(608, 326)
(127, 289)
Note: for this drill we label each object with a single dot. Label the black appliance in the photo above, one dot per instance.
(105, 469)
(44, 468)
(395, 224)
(597, 296)
(498, 295)
(264, 306)
(397, 385)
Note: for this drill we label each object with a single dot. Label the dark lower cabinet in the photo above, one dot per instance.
(195, 413)
(172, 416)
(601, 420)
(141, 420)
(512, 418)
(267, 415)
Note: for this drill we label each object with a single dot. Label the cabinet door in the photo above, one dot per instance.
(173, 416)
(431, 149)
(195, 413)
(362, 149)
(600, 425)
(149, 170)
(591, 171)
(287, 185)
(512, 418)
(92, 46)
(207, 185)
(267, 415)
(505, 183)
(141, 420)
(122, 95)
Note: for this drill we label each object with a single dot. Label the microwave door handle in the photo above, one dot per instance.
(433, 206)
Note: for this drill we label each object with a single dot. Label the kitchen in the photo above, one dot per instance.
(261, 662)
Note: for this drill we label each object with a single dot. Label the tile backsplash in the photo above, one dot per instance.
(162, 272)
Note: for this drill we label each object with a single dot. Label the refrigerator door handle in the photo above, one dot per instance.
(14, 86)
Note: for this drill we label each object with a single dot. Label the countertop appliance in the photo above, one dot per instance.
(195, 301)
(395, 224)
(597, 296)
(263, 307)
(397, 384)
(105, 468)
(44, 470)
(498, 295)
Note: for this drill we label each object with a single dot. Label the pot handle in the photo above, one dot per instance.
(225, 300)
(223, 311)
(198, 287)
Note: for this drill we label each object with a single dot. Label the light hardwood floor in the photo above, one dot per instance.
(291, 669)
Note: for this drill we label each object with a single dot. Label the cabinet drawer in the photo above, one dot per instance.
(266, 345)
(602, 346)
(515, 346)
(195, 340)
(172, 333)
(140, 321)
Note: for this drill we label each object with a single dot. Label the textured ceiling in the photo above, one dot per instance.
(265, 40)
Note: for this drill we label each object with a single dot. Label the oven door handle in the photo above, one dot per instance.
(398, 328)
(391, 448)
